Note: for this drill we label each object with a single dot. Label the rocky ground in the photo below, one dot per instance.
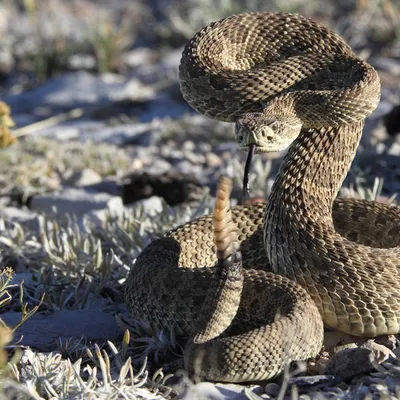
(109, 156)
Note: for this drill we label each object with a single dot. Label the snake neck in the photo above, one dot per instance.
(300, 204)
(313, 171)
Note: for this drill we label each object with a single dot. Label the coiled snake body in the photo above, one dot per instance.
(284, 80)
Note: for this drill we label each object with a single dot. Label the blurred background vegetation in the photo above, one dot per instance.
(43, 38)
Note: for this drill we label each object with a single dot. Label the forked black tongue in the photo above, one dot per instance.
(246, 187)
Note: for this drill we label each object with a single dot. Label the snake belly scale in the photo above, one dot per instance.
(252, 286)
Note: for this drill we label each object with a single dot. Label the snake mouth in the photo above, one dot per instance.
(259, 149)
(251, 150)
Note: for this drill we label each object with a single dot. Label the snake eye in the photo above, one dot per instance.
(239, 138)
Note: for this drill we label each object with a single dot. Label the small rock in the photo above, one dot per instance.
(272, 389)
(158, 166)
(237, 391)
(101, 217)
(109, 185)
(186, 167)
(381, 352)
(21, 216)
(306, 381)
(172, 155)
(41, 331)
(349, 363)
(195, 158)
(212, 160)
(84, 177)
(219, 391)
(188, 145)
(137, 164)
(74, 201)
(204, 147)
(152, 206)
(203, 390)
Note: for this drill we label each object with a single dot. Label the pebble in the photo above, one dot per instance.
(158, 166)
(195, 158)
(85, 177)
(188, 145)
(173, 155)
(151, 206)
(272, 389)
(204, 391)
(349, 363)
(137, 164)
(187, 167)
(389, 341)
(212, 160)
(204, 147)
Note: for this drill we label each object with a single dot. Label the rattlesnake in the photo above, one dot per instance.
(283, 79)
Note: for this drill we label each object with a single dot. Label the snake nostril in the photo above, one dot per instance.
(239, 138)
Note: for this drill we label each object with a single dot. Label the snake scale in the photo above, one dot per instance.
(252, 286)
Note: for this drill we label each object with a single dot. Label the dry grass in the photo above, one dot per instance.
(37, 165)
(92, 262)
(72, 267)
(73, 264)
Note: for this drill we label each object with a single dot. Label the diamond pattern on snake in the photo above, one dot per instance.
(252, 286)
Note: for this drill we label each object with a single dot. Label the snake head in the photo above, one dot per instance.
(268, 132)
